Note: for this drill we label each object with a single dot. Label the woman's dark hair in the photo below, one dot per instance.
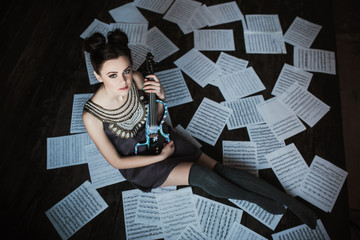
(101, 51)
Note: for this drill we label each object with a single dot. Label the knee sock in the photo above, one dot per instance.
(252, 183)
(218, 186)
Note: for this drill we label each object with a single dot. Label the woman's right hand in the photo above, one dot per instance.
(168, 149)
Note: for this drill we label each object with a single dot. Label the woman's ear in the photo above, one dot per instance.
(98, 77)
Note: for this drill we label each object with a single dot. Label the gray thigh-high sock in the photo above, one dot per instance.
(252, 183)
(218, 186)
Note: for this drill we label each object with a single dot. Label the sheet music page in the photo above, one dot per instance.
(303, 230)
(266, 142)
(185, 134)
(302, 33)
(216, 218)
(77, 125)
(76, 210)
(136, 32)
(239, 231)
(90, 70)
(96, 26)
(102, 174)
(262, 23)
(280, 118)
(315, 60)
(245, 112)
(198, 67)
(127, 13)
(264, 43)
(177, 210)
(138, 54)
(241, 155)
(209, 121)
(288, 75)
(214, 40)
(268, 219)
(175, 87)
(158, 6)
(308, 107)
(66, 150)
(240, 84)
(133, 229)
(161, 45)
(289, 167)
(191, 232)
(226, 13)
(182, 11)
(323, 183)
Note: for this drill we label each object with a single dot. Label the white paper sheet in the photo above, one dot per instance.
(90, 70)
(138, 54)
(303, 230)
(214, 40)
(229, 63)
(76, 210)
(137, 230)
(191, 232)
(225, 13)
(216, 218)
(202, 18)
(67, 150)
(240, 84)
(241, 155)
(268, 219)
(161, 45)
(289, 75)
(127, 13)
(158, 6)
(177, 210)
(209, 121)
(301, 33)
(77, 125)
(323, 183)
(175, 87)
(96, 26)
(136, 32)
(289, 167)
(280, 118)
(198, 67)
(266, 142)
(182, 11)
(185, 134)
(238, 231)
(262, 23)
(308, 107)
(315, 60)
(245, 112)
(102, 174)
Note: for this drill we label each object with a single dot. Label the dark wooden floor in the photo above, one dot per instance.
(42, 67)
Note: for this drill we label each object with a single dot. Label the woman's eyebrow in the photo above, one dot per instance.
(112, 72)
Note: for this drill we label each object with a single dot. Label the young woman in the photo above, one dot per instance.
(115, 120)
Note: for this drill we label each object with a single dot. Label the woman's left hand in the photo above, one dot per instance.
(153, 86)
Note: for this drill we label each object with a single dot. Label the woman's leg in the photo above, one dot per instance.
(207, 161)
(179, 175)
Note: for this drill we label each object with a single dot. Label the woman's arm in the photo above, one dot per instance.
(94, 127)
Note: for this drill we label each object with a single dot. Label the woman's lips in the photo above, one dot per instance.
(124, 88)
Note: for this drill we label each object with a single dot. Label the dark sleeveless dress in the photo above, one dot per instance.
(154, 175)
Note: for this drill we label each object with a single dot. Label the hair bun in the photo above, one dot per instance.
(118, 38)
(94, 42)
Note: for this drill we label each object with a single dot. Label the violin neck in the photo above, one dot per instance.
(152, 110)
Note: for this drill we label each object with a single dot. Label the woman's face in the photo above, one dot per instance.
(117, 76)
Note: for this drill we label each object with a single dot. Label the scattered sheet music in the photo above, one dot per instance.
(225, 13)
(315, 60)
(303, 230)
(158, 6)
(214, 40)
(127, 13)
(161, 45)
(77, 125)
(182, 11)
(174, 84)
(322, 185)
(138, 54)
(280, 118)
(289, 167)
(76, 210)
(136, 32)
(96, 26)
(185, 134)
(266, 142)
(301, 33)
(90, 70)
(191, 232)
(67, 150)
(308, 107)
(202, 18)
(238, 231)
(288, 75)
(241, 155)
(209, 121)
(198, 67)
(240, 84)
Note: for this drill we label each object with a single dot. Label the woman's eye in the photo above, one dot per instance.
(113, 76)
(127, 71)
